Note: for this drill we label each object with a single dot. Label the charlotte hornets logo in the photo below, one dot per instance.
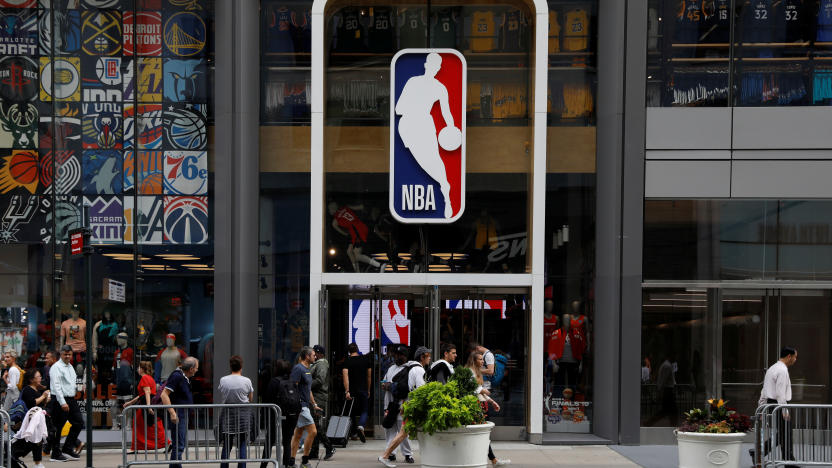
(18, 32)
(184, 34)
(185, 80)
(186, 220)
(102, 125)
(63, 32)
(186, 172)
(185, 127)
(427, 136)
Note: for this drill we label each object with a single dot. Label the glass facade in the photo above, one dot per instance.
(765, 53)
(106, 109)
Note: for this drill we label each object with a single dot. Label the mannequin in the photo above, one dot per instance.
(346, 223)
(568, 346)
(141, 335)
(550, 329)
(579, 321)
(123, 372)
(74, 331)
(170, 357)
(103, 335)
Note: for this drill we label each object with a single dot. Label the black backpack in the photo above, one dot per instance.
(399, 387)
(287, 397)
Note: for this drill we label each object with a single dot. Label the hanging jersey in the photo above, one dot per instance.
(513, 29)
(688, 20)
(381, 33)
(576, 30)
(825, 21)
(413, 30)
(791, 22)
(486, 233)
(758, 21)
(443, 29)
(550, 328)
(348, 220)
(350, 32)
(483, 34)
(715, 25)
(279, 30)
(554, 32)
(302, 30)
(473, 96)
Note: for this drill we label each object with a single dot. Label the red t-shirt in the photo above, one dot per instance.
(348, 220)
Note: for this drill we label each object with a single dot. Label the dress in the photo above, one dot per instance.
(143, 438)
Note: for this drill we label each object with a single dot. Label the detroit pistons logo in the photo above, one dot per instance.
(427, 136)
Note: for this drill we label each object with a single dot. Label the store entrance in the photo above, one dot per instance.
(376, 317)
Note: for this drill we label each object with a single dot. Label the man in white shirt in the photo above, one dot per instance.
(777, 389)
(488, 365)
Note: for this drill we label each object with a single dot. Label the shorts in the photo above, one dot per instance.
(305, 417)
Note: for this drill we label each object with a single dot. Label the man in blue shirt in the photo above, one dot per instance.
(302, 377)
(177, 391)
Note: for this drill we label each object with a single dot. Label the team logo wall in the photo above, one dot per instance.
(67, 175)
(106, 219)
(67, 126)
(93, 4)
(371, 319)
(188, 5)
(18, 125)
(149, 86)
(148, 33)
(18, 78)
(186, 172)
(427, 136)
(185, 127)
(149, 167)
(149, 219)
(102, 172)
(101, 32)
(101, 80)
(476, 304)
(101, 125)
(67, 216)
(18, 32)
(186, 220)
(185, 80)
(19, 171)
(63, 33)
(18, 212)
(149, 124)
(67, 79)
(60, 4)
(184, 34)
(18, 3)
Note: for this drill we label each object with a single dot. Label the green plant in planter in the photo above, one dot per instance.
(436, 407)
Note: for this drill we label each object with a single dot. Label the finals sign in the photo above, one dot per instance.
(427, 135)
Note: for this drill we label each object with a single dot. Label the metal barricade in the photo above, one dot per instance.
(201, 434)
(6, 450)
(793, 435)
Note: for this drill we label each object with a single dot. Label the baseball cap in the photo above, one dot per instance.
(319, 349)
(421, 350)
(401, 349)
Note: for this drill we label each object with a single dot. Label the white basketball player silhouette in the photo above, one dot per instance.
(416, 127)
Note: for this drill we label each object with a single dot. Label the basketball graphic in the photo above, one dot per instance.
(185, 128)
(18, 78)
(101, 32)
(184, 34)
(186, 172)
(186, 220)
(149, 167)
(67, 86)
(148, 33)
(18, 3)
(67, 168)
(61, 26)
(19, 171)
(67, 215)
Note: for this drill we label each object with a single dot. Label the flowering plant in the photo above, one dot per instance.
(716, 418)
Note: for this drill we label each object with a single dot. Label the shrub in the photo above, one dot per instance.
(716, 418)
(436, 407)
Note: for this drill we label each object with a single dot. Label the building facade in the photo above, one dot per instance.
(645, 184)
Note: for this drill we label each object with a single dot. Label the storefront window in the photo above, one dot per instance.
(107, 109)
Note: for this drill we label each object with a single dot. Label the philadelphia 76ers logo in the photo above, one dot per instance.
(427, 135)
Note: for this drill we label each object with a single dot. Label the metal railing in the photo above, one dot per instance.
(793, 435)
(6, 433)
(204, 434)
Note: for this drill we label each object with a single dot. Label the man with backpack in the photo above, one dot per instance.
(403, 377)
(320, 390)
(301, 376)
(442, 369)
(283, 393)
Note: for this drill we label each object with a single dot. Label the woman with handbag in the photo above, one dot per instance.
(148, 430)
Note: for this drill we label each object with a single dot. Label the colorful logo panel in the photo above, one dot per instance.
(185, 127)
(184, 34)
(102, 172)
(67, 175)
(18, 78)
(18, 3)
(60, 4)
(101, 32)
(102, 125)
(149, 126)
(427, 136)
(22, 218)
(67, 125)
(102, 79)
(18, 125)
(63, 33)
(186, 172)
(149, 217)
(149, 87)
(370, 319)
(148, 33)
(19, 171)
(67, 215)
(18, 32)
(185, 80)
(67, 76)
(94, 4)
(186, 220)
(150, 170)
(106, 219)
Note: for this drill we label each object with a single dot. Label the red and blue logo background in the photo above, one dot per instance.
(404, 170)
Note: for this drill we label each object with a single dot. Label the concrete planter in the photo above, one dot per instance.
(698, 450)
(463, 447)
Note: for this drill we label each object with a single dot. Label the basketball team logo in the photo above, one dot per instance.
(101, 80)
(19, 172)
(60, 4)
(186, 220)
(66, 215)
(66, 124)
(102, 125)
(146, 130)
(150, 172)
(101, 32)
(22, 218)
(18, 78)
(184, 34)
(148, 33)
(185, 80)
(67, 79)
(427, 135)
(18, 125)
(18, 32)
(59, 30)
(185, 127)
(106, 219)
(186, 172)
(149, 86)
(18, 3)
(93, 4)
(149, 217)
(102, 172)
(67, 175)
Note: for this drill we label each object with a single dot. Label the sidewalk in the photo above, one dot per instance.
(364, 455)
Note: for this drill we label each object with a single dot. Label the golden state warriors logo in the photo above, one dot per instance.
(184, 34)
(101, 32)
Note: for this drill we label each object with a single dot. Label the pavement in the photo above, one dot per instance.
(521, 455)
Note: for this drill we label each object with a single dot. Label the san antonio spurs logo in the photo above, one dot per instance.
(101, 32)
(19, 212)
(184, 34)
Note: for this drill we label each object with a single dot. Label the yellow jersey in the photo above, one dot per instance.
(576, 34)
(483, 31)
(554, 32)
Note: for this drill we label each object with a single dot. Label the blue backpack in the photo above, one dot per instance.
(18, 410)
(500, 363)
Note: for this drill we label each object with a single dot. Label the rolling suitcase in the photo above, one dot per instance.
(338, 430)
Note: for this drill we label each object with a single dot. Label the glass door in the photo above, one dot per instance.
(745, 352)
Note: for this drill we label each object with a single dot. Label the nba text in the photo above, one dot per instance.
(418, 198)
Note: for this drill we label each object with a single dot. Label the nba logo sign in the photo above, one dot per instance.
(427, 135)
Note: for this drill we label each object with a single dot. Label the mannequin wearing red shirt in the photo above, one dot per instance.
(567, 348)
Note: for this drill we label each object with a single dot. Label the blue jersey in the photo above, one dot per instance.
(758, 21)
(382, 34)
(792, 23)
(302, 30)
(825, 21)
(715, 26)
(689, 17)
(279, 30)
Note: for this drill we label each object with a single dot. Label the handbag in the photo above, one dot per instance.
(391, 415)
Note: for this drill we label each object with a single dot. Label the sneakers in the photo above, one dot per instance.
(386, 462)
(409, 459)
(361, 436)
(59, 458)
(80, 448)
(39, 465)
(502, 462)
(329, 454)
(392, 457)
(71, 456)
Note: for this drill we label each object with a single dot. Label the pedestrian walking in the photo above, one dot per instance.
(62, 381)
(777, 389)
(301, 377)
(320, 390)
(34, 394)
(283, 393)
(148, 430)
(392, 422)
(441, 370)
(235, 423)
(12, 379)
(357, 374)
(50, 359)
(177, 391)
(476, 363)
(415, 379)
